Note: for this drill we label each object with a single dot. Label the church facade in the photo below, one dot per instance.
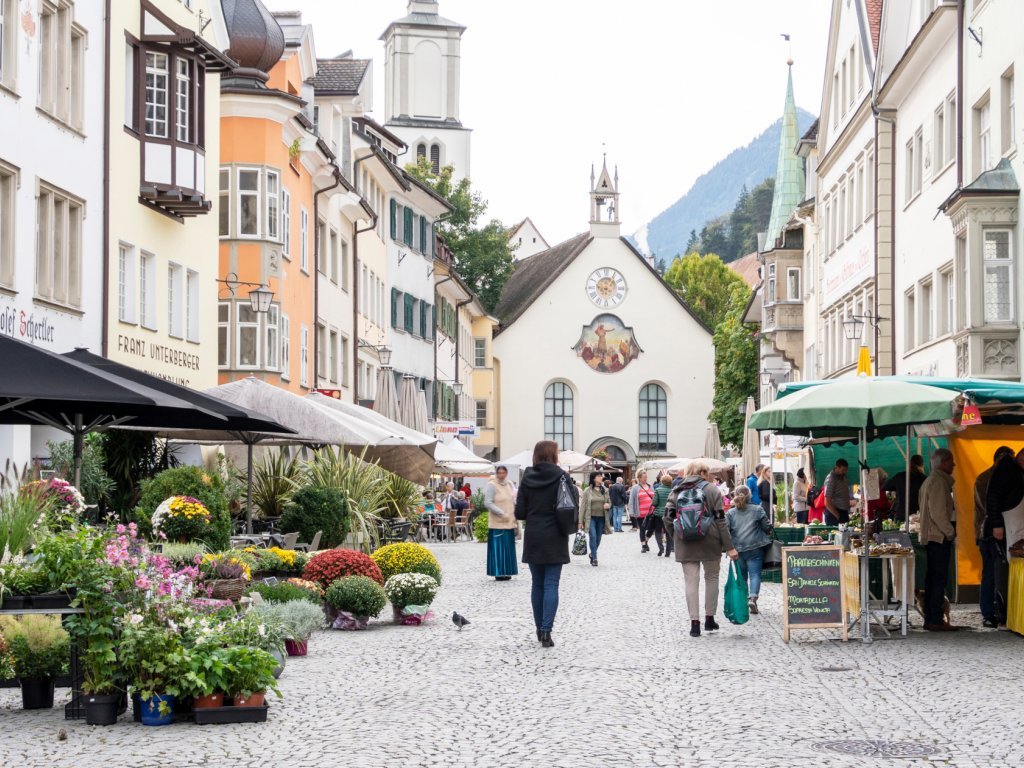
(596, 352)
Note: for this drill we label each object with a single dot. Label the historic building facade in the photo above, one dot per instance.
(164, 159)
(596, 352)
(51, 183)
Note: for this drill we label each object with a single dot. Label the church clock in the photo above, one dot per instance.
(606, 287)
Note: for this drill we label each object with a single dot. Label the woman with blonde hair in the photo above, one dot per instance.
(700, 546)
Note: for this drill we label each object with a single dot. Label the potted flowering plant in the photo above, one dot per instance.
(411, 595)
(181, 518)
(38, 648)
(355, 599)
(156, 661)
(407, 557)
(64, 503)
(298, 620)
(249, 674)
(225, 575)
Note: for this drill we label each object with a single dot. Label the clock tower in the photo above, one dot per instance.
(604, 202)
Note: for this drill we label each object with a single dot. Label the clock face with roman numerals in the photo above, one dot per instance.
(606, 287)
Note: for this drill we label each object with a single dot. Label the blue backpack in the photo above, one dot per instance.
(693, 519)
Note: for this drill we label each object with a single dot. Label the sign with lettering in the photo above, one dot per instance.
(444, 429)
(842, 272)
(812, 589)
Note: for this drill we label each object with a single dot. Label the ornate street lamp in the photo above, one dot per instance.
(260, 298)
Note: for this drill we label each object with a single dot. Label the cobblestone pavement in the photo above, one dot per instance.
(624, 686)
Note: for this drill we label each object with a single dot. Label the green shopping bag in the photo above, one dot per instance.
(736, 595)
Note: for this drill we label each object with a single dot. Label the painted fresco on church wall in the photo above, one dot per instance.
(607, 344)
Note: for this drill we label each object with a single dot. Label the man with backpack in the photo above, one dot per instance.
(696, 512)
(837, 494)
(618, 496)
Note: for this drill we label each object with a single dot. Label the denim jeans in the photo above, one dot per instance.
(987, 591)
(750, 563)
(596, 532)
(617, 513)
(544, 595)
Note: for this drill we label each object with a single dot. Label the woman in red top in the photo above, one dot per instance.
(641, 504)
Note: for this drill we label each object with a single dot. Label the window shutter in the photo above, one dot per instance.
(424, 246)
(423, 319)
(433, 320)
(394, 219)
(409, 312)
(433, 240)
(394, 306)
(407, 231)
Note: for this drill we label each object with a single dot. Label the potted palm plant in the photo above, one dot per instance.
(39, 653)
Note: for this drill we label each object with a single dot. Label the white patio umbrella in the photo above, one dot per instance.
(572, 461)
(751, 441)
(712, 442)
(399, 449)
(420, 423)
(714, 465)
(386, 403)
(455, 459)
(407, 401)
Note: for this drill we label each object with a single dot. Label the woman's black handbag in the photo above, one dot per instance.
(564, 502)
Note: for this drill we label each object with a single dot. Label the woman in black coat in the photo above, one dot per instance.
(546, 539)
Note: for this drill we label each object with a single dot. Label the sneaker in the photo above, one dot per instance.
(990, 623)
(752, 605)
(695, 628)
(644, 548)
(710, 624)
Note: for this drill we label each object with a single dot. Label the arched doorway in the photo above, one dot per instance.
(620, 454)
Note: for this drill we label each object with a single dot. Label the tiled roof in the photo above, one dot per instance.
(532, 276)
(747, 268)
(812, 133)
(874, 8)
(340, 76)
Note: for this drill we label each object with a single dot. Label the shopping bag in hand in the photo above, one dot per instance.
(579, 545)
(736, 608)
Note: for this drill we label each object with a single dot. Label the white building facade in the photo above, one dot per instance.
(584, 355)
(51, 186)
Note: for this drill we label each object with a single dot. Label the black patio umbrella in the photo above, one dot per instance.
(43, 388)
(239, 424)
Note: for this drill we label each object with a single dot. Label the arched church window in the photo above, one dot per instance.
(653, 418)
(421, 151)
(558, 414)
(435, 157)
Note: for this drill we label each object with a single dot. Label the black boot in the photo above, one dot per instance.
(695, 628)
(546, 641)
(539, 633)
(710, 624)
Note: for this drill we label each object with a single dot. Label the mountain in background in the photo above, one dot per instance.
(715, 193)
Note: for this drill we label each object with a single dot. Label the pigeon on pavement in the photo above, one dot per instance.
(459, 621)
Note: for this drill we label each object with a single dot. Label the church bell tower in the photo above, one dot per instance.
(604, 202)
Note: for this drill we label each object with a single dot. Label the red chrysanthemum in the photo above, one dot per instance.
(332, 564)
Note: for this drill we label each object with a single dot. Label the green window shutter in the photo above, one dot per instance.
(394, 307)
(407, 231)
(394, 219)
(424, 245)
(409, 312)
(433, 240)
(423, 319)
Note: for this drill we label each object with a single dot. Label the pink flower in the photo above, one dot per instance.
(143, 582)
(121, 529)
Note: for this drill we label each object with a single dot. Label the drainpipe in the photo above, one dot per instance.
(883, 116)
(105, 250)
(458, 306)
(316, 270)
(356, 231)
(959, 94)
(355, 271)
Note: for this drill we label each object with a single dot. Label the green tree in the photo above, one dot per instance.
(482, 253)
(714, 237)
(719, 297)
(735, 367)
(705, 284)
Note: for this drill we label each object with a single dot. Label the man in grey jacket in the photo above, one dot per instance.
(938, 531)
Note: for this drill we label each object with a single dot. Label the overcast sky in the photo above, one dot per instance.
(669, 86)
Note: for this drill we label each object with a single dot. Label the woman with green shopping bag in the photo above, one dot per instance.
(697, 514)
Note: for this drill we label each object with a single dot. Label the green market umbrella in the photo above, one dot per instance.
(868, 406)
(980, 391)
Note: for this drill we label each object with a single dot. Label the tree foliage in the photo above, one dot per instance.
(483, 256)
(719, 297)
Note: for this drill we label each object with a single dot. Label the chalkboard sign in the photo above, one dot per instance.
(894, 537)
(812, 589)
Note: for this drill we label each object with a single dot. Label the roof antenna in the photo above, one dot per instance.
(789, 46)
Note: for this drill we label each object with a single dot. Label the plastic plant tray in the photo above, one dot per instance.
(226, 715)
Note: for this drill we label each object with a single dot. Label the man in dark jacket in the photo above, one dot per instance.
(618, 495)
(986, 544)
(898, 484)
(1005, 491)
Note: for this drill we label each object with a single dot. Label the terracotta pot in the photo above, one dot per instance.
(253, 700)
(296, 647)
(211, 701)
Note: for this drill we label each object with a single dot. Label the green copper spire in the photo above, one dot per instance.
(789, 171)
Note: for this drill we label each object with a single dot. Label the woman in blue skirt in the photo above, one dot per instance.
(502, 526)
